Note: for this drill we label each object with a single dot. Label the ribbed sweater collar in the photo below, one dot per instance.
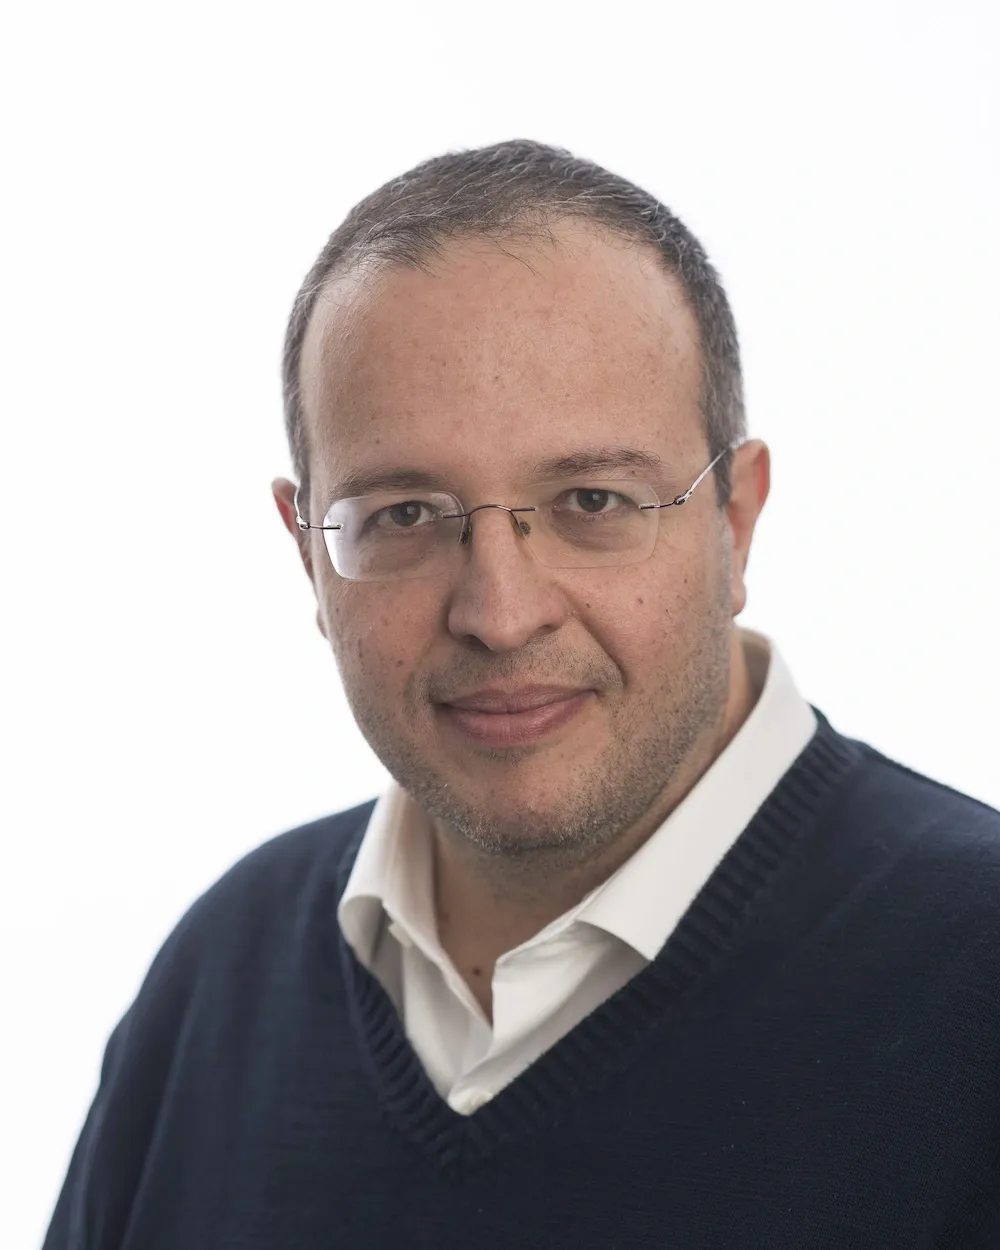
(709, 933)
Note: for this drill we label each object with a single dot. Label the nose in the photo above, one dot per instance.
(502, 597)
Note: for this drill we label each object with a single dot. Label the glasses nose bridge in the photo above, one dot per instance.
(520, 527)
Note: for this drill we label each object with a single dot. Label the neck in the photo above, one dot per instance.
(485, 908)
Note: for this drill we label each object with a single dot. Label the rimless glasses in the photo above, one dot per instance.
(571, 523)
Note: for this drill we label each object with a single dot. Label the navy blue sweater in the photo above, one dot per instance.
(812, 1060)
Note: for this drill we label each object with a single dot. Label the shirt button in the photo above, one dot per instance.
(471, 1100)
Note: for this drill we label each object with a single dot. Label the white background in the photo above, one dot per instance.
(167, 700)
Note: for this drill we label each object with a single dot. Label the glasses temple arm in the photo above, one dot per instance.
(303, 524)
(704, 473)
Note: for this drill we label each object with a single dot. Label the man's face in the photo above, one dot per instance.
(502, 358)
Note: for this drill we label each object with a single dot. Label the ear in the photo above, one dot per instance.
(284, 496)
(751, 482)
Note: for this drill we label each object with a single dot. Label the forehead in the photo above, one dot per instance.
(502, 354)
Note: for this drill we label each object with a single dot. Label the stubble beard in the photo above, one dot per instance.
(669, 739)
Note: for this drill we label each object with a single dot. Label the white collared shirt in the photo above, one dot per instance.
(547, 985)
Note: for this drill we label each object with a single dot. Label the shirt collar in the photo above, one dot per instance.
(645, 899)
(392, 877)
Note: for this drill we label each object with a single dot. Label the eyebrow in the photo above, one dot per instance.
(598, 460)
(590, 460)
(368, 481)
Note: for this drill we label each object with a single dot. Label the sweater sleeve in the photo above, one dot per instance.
(107, 1165)
(209, 964)
(73, 1226)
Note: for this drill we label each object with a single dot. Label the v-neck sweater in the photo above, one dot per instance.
(543, 987)
(812, 1059)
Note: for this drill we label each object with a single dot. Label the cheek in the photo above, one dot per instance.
(651, 618)
(378, 633)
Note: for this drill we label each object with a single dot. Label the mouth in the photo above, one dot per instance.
(512, 718)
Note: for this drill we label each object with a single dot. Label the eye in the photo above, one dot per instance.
(408, 514)
(593, 500)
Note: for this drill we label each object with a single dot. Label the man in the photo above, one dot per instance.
(638, 951)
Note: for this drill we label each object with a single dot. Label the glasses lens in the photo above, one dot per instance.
(586, 524)
(590, 524)
(383, 537)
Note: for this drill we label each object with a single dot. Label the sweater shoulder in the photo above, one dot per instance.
(896, 792)
(283, 865)
(923, 849)
(236, 948)
(259, 906)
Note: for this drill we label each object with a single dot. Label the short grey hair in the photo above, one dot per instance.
(521, 188)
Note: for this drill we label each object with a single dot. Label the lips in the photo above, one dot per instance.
(500, 701)
(513, 718)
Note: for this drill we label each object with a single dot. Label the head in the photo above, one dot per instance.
(477, 321)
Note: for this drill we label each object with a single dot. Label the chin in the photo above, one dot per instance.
(514, 818)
